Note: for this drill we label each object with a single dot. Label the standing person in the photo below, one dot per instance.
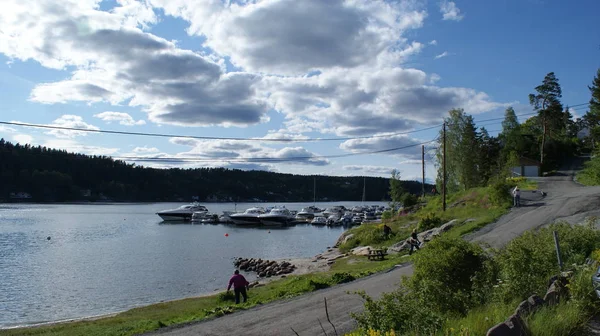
(387, 231)
(516, 197)
(414, 241)
(240, 284)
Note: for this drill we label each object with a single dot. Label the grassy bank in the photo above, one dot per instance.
(590, 174)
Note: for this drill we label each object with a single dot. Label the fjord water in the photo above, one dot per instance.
(105, 258)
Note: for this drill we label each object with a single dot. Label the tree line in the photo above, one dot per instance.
(549, 136)
(57, 175)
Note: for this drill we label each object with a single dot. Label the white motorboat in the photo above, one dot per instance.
(319, 220)
(248, 217)
(277, 216)
(183, 213)
(338, 210)
(224, 218)
(307, 214)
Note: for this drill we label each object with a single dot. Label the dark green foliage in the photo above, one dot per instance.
(429, 221)
(530, 260)
(590, 175)
(592, 117)
(452, 275)
(500, 192)
(409, 200)
(227, 296)
(343, 277)
(316, 284)
(400, 311)
(56, 175)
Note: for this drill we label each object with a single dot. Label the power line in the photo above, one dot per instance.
(207, 137)
(261, 159)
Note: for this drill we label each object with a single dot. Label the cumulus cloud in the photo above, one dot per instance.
(145, 150)
(70, 121)
(121, 117)
(401, 144)
(450, 11)
(295, 37)
(116, 62)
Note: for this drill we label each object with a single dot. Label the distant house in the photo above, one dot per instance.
(527, 168)
(20, 195)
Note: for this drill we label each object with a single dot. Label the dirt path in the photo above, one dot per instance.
(565, 200)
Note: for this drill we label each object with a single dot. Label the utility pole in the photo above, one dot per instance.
(423, 165)
(444, 170)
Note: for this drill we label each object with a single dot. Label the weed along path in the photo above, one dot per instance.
(565, 200)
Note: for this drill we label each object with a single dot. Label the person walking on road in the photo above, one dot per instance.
(516, 197)
(240, 284)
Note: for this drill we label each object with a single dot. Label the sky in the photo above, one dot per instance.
(326, 87)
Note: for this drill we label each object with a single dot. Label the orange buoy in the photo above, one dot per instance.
(227, 235)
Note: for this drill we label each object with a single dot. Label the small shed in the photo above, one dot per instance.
(527, 168)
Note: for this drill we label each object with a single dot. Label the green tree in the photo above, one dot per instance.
(592, 116)
(546, 101)
(511, 137)
(463, 159)
(396, 189)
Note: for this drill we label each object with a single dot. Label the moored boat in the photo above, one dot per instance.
(275, 217)
(248, 217)
(183, 213)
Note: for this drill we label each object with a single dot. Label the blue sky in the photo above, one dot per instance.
(363, 70)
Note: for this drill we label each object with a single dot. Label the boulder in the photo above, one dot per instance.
(398, 247)
(523, 309)
(361, 250)
(447, 226)
(348, 237)
(535, 302)
(513, 326)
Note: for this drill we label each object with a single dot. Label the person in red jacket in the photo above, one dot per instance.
(240, 284)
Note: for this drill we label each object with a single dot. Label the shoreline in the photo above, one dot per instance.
(319, 263)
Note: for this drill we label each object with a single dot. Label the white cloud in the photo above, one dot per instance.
(433, 42)
(23, 138)
(369, 169)
(121, 117)
(444, 54)
(6, 129)
(74, 146)
(295, 37)
(450, 11)
(70, 121)
(402, 145)
(145, 150)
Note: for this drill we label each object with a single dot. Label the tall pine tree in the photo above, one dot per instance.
(592, 116)
(546, 101)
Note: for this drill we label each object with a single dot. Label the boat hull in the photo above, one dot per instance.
(275, 220)
(175, 217)
(245, 220)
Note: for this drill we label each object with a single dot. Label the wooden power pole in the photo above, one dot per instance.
(444, 170)
(423, 166)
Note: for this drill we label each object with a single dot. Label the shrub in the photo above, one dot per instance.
(226, 296)
(453, 275)
(338, 278)
(596, 255)
(529, 261)
(500, 193)
(386, 215)
(429, 221)
(582, 290)
(401, 311)
(316, 284)
(409, 200)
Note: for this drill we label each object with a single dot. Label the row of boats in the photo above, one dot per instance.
(276, 216)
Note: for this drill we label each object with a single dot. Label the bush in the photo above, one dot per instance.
(529, 261)
(409, 200)
(401, 311)
(582, 290)
(500, 193)
(338, 278)
(429, 221)
(226, 297)
(453, 275)
(386, 215)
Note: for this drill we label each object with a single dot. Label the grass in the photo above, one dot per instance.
(479, 320)
(562, 320)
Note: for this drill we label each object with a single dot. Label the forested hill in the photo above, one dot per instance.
(56, 175)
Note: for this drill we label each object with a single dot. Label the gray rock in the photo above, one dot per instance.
(348, 237)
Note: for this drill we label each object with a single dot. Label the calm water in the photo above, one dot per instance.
(108, 258)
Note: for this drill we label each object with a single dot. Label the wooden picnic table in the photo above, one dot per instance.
(376, 254)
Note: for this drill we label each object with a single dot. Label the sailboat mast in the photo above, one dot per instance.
(364, 189)
(315, 190)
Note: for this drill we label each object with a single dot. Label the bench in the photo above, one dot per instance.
(376, 254)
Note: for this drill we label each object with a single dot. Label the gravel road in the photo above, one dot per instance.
(565, 200)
